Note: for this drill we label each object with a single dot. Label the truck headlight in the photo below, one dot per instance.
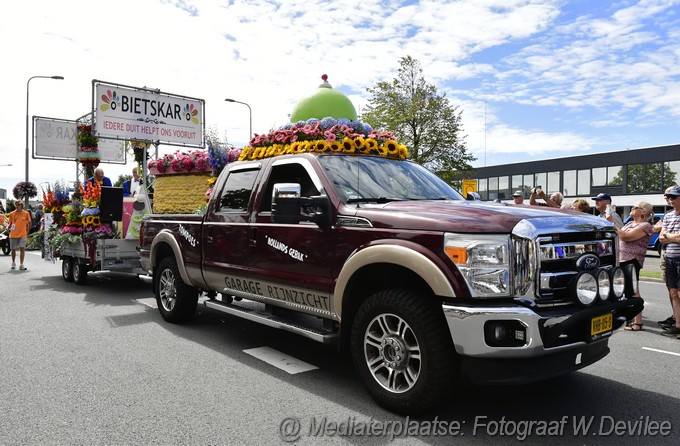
(484, 261)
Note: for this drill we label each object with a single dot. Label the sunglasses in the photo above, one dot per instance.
(671, 197)
(635, 207)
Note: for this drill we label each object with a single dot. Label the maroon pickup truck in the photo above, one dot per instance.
(381, 256)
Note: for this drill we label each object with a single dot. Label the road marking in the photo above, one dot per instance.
(280, 360)
(660, 351)
(148, 301)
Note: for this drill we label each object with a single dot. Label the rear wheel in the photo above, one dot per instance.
(5, 247)
(67, 269)
(79, 272)
(403, 352)
(176, 300)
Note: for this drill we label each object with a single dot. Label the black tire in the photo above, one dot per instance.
(67, 269)
(5, 247)
(176, 300)
(79, 272)
(389, 323)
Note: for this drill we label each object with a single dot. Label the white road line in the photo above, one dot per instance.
(280, 360)
(148, 301)
(660, 351)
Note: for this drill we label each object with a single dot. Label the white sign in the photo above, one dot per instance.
(56, 139)
(133, 113)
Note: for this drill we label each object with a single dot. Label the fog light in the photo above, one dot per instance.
(586, 288)
(618, 282)
(509, 333)
(603, 284)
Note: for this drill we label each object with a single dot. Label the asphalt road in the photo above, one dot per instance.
(96, 364)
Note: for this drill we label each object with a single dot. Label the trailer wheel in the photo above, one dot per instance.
(176, 300)
(403, 352)
(67, 269)
(79, 272)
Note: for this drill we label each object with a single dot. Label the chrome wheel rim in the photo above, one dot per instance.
(167, 290)
(392, 353)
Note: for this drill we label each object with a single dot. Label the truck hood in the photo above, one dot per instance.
(465, 216)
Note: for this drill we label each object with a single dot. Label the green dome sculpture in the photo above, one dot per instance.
(326, 102)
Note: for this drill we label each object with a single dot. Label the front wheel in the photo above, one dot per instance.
(5, 247)
(403, 351)
(176, 300)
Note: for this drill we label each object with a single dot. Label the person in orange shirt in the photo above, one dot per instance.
(19, 225)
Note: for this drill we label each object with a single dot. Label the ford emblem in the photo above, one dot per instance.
(587, 262)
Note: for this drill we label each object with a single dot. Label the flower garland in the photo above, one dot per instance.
(198, 160)
(88, 146)
(24, 189)
(327, 135)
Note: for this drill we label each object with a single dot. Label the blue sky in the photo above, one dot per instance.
(534, 78)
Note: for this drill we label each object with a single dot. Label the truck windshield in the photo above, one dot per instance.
(377, 179)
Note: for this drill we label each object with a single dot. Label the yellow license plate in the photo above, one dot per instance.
(601, 324)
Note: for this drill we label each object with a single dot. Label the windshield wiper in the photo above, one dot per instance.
(378, 200)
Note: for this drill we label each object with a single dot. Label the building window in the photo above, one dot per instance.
(516, 182)
(504, 188)
(614, 176)
(570, 183)
(527, 183)
(541, 179)
(599, 176)
(584, 182)
(553, 182)
(482, 190)
(653, 177)
(636, 178)
(671, 174)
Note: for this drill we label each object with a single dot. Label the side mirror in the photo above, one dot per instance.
(473, 196)
(289, 207)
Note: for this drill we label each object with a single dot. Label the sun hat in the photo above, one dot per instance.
(518, 193)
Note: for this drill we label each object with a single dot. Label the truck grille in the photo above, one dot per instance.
(555, 260)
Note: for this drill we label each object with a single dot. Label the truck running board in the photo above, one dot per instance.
(318, 334)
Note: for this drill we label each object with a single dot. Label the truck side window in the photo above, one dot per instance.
(237, 190)
(288, 173)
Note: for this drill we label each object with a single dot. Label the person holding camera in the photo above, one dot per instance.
(554, 201)
(603, 204)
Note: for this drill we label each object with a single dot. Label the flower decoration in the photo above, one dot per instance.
(55, 198)
(88, 146)
(196, 160)
(92, 195)
(138, 149)
(24, 189)
(220, 155)
(324, 135)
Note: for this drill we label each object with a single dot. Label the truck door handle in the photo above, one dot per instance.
(253, 236)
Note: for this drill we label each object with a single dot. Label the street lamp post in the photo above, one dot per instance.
(27, 126)
(250, 113)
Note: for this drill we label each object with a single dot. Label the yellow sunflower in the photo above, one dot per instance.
(335, 146)
(244, 153)
(392, 147)
(348, 145)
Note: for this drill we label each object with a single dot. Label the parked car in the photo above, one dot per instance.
(654, 239)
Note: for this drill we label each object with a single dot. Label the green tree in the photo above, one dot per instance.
(422, 120)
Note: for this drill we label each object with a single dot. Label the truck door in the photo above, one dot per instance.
(292, 263)
(225, 230)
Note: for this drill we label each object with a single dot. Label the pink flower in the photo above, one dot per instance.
(329, 135)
